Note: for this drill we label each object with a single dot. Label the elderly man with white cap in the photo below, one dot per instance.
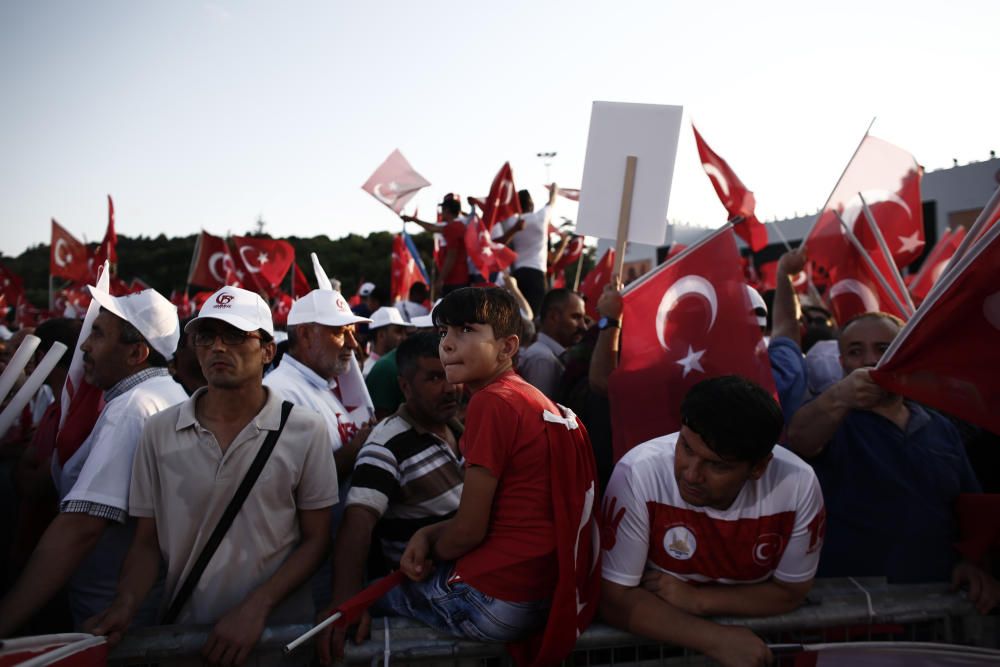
(234, 488)
(125, 355)
(316, 368)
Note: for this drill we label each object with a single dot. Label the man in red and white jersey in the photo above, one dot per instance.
(712, 520)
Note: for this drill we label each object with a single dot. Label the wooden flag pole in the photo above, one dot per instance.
(871, 264)
(579, 266)
(885, 252)
(624, 214)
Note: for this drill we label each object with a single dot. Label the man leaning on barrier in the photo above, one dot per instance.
(190, 462)
(712, 520)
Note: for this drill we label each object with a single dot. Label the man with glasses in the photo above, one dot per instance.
(191, 460)
(321, 345)
(125, 355)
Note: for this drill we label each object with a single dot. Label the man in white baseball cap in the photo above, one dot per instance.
(386, 331)
(125, 354)
(190, 462)
(321, 346)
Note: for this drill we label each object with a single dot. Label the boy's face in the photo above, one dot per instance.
(473, 356)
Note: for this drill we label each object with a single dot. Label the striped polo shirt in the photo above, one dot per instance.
(408, 477)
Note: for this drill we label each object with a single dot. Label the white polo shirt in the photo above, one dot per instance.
(531, 243)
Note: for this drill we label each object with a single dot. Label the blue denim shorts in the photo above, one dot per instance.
(461, 610)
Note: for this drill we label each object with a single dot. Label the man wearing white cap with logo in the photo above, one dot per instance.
(234, 487)
(387, 331)
(321, 346)
(125, 355)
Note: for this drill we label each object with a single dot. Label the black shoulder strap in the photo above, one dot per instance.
(184, 593)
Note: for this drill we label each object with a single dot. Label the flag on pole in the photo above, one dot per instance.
(67, 256)
(946, 356)
(263, 262)
(300, 285)
(212, 265)
(738, 201)
(108, 248)
(936, 263)
(593, 284)
(502, 202)
(407, 268)
(688, 320)
(395, 182)
(485, 254)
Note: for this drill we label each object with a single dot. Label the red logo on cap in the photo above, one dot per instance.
(223, 299)
(341, 304)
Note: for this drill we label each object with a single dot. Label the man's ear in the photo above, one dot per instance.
(268, 350)
(138, 353)
(757, 469)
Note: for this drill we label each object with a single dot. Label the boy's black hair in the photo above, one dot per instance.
(418, 346)
(480, 305)
(737, 419)
(59, 329)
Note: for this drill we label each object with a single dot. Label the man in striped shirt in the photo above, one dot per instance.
(408, 475)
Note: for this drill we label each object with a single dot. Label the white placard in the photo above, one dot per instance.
(617, 130)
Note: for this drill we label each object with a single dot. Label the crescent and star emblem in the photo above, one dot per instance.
(251, 267)
(227, 265)
(863, 292)
(717, 177)
(61, 254)
(853, 207)
(686, 285)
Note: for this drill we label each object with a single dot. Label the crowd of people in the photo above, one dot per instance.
(239, 477)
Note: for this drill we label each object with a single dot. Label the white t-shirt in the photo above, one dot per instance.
(531, 243)
(301, 385)
(773, 528)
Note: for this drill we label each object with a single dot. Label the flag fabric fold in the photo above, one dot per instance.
(485, 254)
(395, 182)
(502, 202)
(594, 282)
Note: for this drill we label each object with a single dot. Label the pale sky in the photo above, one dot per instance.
(207, 114)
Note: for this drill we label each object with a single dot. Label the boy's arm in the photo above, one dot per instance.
(139, 572)
(234, 636)
(641, 612)
(768, 598)
(467, 529)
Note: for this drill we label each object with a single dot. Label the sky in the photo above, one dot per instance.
(206, 115)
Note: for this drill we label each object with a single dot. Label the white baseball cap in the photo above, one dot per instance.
(241, 308)
(422, 321)
(149, 312)
(366, 289)
(757, 305)
(385, 316)
(323, 306)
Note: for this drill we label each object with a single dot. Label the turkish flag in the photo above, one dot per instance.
(25, 314)
(687, 320)
(594, 282)
(300, 285)
(406, 267)
(888, 178)
(11, 286)
(67, 256)
(484, 254)
(502, 202)
(855, 287)
(737, 200)
(185, 308)
(570, 255)
(211, 263)
(946, 356)
(107, 250)
(395, 182)
(282, 306)
(265, 261)
(936, 263)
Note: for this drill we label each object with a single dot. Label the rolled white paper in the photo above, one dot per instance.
(31, 386)
(17, 364)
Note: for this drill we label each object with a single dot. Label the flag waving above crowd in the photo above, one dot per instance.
(395, 182)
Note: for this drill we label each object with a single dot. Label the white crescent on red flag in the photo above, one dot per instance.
(485, 254)
(946, 356)
(67, 256)
(855, 287)
(263, 262)
(688, 320)
(502, 202)
(395, 182)
(212, 264)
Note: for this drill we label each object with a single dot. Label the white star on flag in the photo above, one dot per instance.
(691, 362)
(261, 258)
(910, 243)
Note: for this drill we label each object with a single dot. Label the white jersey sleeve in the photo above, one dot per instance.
(625, 528)
(801, 557)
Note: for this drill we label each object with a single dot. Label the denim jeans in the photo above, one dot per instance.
(461, 610)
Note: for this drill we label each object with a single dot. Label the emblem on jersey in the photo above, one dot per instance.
(679, 543)
(767, 549)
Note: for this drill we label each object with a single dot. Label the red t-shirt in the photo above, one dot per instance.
(505, 433)
(454, 238)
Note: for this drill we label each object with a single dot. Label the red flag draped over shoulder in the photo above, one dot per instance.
(67, 256)
(687, 321)
(888, 178)
(502, 202)
(738, 201)
(946, 356)
(211, 263)
(395, 182)
(484, 254)
(593, 284)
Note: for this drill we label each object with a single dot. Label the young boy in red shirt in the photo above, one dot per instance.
(520, 549)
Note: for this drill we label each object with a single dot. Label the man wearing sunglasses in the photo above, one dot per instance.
(188, 466)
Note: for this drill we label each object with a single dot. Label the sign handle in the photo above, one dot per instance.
(624, 214)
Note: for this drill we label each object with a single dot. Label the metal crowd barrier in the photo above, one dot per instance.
(836, 610)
